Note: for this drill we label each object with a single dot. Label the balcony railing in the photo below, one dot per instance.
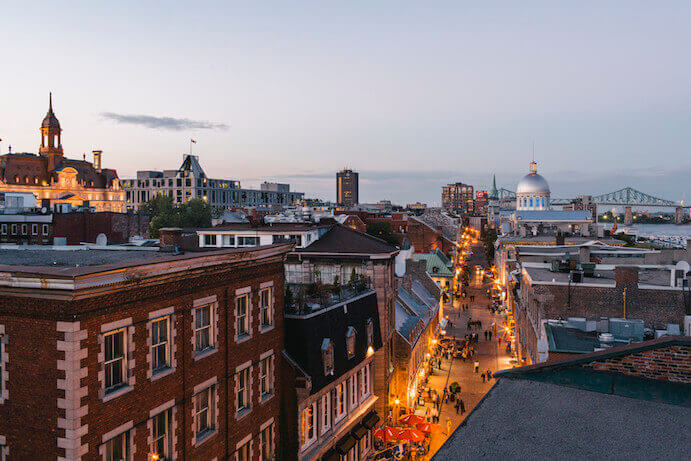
(306, 298)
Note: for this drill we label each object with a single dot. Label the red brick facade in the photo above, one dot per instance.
(672, 363)
(56, 405)
(85, 227)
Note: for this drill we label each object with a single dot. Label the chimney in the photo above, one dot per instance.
(170, 236)
(584, 254)
(626, 276)
(97, 159)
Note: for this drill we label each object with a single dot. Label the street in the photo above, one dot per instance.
(490, 354)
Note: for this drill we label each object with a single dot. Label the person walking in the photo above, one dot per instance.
(489, 332)
(458, 406)
(462, 405)
(448, 425)
(477, 366)
(483, 376)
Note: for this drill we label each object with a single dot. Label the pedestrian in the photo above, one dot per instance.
(446, 396)
(483, 376)
(448, 425)
(485, 335)
(489, 375)
(490, 335)
(439, 363)
(458, 406)
(477, 366)
(460, 401)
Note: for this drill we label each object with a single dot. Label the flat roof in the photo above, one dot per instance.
(76, 257)
(604, 274)
(525, 419)
(277, 226)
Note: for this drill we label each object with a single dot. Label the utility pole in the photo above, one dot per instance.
(624, 302)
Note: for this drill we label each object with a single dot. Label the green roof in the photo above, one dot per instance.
(435, 266)
(443, 257)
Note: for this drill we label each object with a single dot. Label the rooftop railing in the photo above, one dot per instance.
(306, 298)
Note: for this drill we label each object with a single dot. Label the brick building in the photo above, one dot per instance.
(85, 226)
(141, 353)
(425, 238)
(458, 198)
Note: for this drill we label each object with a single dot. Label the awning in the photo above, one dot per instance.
(332, 456)
(346, 444)
(359, 431)
(370, 420)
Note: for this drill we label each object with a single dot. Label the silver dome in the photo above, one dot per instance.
(532, 183)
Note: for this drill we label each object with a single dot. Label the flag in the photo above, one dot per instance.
(193, 141)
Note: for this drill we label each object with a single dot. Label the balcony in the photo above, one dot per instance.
(307, 298)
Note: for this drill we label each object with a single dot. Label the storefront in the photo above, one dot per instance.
(356, 445)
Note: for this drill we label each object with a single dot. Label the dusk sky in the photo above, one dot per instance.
(411, 94)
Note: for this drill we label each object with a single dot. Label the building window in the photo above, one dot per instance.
(45, 229)
(328, 356)
(203, 330)
(266, 376)
(248, 241)
(14, 229)
(266, 443)
(353, 391)
(204, 417)
(242, 398)
(241, 316)
(340, 409)
(24, 229)
(209, 240)
(308, 426)
(118, 448)
(325, 409)
(244, 452)
(228, 241)
(3, 365)
(350, 342)
(160, 344)
(266, 307)
(370, 333)
(366, 382)
(34, 229)
(3, 229)
(161, 429)
(115, 359)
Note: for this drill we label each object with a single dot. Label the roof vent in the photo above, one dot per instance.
(606, 337)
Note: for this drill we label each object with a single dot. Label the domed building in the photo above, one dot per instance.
(533, 191)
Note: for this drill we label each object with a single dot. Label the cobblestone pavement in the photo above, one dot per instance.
(490, 354)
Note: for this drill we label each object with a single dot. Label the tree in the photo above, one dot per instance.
(383, 231)
(194, 213)
(488, 238)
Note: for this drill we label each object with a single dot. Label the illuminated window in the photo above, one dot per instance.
(350, 342)
(327, 356)
(161, 428)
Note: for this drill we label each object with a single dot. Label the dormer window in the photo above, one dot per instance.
(370, 333)
(328, 356)
(350, 342)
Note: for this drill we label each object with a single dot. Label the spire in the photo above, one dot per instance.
(494, 193)
(50, 102)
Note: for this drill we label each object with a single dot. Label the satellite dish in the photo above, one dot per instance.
(102, 240)
(43, 210)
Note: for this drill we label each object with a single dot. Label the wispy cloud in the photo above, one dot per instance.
(163, 123)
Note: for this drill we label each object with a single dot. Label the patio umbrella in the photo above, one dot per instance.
(412, 435)
(386, 433)
(428, 428)
(411, 419)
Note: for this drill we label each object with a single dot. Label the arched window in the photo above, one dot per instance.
(350, 342)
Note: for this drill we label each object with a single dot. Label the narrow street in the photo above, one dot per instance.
(490, 354)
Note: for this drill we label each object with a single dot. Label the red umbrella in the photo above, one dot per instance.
(412, 435)
(412, 419)
(386, 433)
(429, 428)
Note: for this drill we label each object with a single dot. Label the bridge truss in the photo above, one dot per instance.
(629, 196)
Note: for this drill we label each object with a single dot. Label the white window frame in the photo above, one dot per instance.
(370, 332)
(244, 318)
(3, 229)
(204, 408)
(267, 434)
(124, 371)
(204, 329)
(25, 229)
(266, 376)
(328, 356)
(353, 399)
(325, 413)
(340, 401)
(366, 382)
(266, 307)
(166, 436)
(13, 228)
(34, 229)
(45, 230)
(228, 240)
(125, 439)
(166, 345)
(308, 419)
(243, 389)
(210, 240)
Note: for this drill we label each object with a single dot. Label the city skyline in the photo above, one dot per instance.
(285, 94)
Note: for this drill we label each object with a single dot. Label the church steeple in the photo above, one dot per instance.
(51, 144)
(494, 193)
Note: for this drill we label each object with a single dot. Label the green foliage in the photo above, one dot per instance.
(383, 231)
(194, 213)
(489, 236)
